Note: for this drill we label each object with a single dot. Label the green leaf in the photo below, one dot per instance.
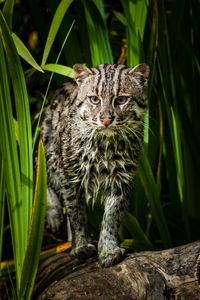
(120, 17)
(136, 16)
(59, 69)
(178, 154)
(28, 73)
(134, 228)
(57, 19)
(8, 12)
(100, 48)
(36, 133)
(24, 52)
(152, 191)
(16, 130)
(19, 172)
(136, 245)
(9, 153)
(32, 255)
(2, 204)
(24, 124)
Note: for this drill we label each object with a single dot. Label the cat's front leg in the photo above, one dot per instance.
(109, 251)
(54, 212)
(82, 247)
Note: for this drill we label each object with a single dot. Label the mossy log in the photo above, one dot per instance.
(158, 275)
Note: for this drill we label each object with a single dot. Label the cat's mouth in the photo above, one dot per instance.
(107, 130)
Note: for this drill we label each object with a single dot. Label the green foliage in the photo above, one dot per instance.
(36, 228)
(19, 174)
(164, 206)
(2, 205)
(136, 232)
(97, 32)
(18, 169)
(59, 69)
(24, 53)
(17, 162)
(8, 12)
(136, 16)
(179, 97)
(152, 192)
(58, 17)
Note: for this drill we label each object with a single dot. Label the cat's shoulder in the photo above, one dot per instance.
(63, 94)
(58, 109)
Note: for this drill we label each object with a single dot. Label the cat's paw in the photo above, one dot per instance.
(111, 257)
(84, 251)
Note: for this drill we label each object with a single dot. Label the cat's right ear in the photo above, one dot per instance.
(81, 72)
(143, 71)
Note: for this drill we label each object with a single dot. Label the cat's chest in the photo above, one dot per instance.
(105, 166)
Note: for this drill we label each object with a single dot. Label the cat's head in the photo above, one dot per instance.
(111, 96)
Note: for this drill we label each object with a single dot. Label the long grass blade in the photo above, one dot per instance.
(36, 228)
(47, 90)
(24, 126)
(8, 12)
(178, 154)
(2, 205)
(58, 17)
(136, 16)
(135, 229)
(176, 117)
(100, 48)
(12, 170)
(152, 191)
(120, 17)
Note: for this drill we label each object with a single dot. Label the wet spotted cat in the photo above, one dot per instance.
(93, 137)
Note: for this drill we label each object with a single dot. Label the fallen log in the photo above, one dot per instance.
(156, 275)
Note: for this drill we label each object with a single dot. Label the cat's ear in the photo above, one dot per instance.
(141, 71)
(81, 72)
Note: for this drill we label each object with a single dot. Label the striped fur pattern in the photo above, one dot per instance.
(93, 136)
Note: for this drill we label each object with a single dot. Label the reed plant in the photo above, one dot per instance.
(17, 167)
(164, 206)
(26, 215)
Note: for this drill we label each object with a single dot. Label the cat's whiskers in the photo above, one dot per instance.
(125, 137)
(134, 133)
(142, 123)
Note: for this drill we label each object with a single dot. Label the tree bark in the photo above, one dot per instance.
(156, 275)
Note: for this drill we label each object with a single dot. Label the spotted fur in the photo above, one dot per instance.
(93, 136)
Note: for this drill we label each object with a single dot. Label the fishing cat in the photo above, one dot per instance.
(93, 136)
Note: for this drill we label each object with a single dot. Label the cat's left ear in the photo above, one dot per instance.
(81, 72)
(141, 71)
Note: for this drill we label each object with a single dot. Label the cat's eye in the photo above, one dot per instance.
(121, 100)
(95, 100)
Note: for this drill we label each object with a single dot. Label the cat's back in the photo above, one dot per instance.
(57, 112)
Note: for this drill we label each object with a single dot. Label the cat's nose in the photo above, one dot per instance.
(106, 121)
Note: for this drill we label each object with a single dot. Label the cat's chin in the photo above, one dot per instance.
(107, 131)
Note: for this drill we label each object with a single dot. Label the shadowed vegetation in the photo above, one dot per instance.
(39, 43)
